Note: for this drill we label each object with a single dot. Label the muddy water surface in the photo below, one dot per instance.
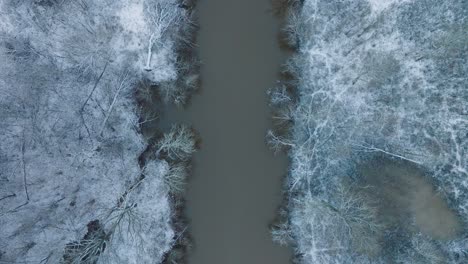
(236, 184)
(406, 197)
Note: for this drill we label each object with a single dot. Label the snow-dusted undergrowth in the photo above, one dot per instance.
(72, 187)
(374, 78)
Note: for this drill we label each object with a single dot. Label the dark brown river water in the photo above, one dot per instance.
(235, 188)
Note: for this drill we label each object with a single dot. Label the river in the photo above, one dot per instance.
(235, 188)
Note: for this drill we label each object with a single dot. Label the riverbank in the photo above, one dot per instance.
(75, 80)
(380, 86)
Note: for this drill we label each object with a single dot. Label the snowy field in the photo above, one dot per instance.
(74, 185)
(378, 141)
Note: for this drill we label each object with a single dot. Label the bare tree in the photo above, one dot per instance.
(279, 96)
(278, 143)
(176, 178)
(124, 82)
(162, 17)
(178, 143)
(349, 221)
(281, 228)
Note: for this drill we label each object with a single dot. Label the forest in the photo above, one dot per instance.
(373, 115)
(80, 180)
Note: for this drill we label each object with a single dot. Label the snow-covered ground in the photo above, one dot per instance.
(72, 186)
(378, 80)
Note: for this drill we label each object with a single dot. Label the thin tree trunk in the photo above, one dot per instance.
(150, 53)
(122, 84)
(23, 147)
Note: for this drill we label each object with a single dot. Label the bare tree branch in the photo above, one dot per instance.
(23, 162)
(8, 196)
(374, 149)
(122, 84)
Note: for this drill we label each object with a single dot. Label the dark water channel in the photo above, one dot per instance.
(235, 188)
